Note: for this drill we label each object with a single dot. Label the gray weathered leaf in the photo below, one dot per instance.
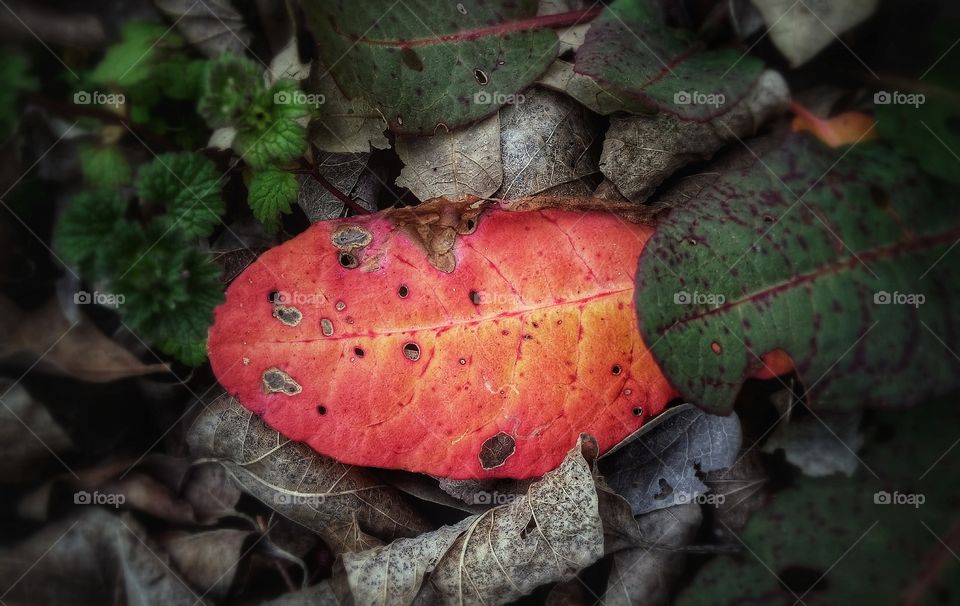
(802, 29)
(96, 558)
(820, 445)
(560, 76)
(545, 144)
(658, 467)
(454, 164)
(212, 492)
(343, 171)
(342, 503)
(208, 560)
(647, 575)
(213, 26)
(25, 455)
(343, 125)
(639, 152)
(493, 558)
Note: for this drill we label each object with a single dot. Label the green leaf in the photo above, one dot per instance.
(104, 167)
(840, 528)
(630, 51)
(16, 77)
(87, 227)
(170, 290)
(848, 281)
(271, 193)
(230, 85)
(270, 134)
(423, 63)
(131, 61)
(189, 187)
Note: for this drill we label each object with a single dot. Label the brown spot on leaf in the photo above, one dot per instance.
(350, 237)
(277, 381)
(326, 327)
(495, 451)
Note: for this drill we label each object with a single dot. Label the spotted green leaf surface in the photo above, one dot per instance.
(423, 63)
(631, 53)
(880, 537)
(855, 280)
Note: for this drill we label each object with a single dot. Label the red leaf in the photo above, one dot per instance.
(456, 341)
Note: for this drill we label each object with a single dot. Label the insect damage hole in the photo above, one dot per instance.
(481, 76)
(403, 291)
(275, 380)
(358, 351)
(495, 450)
(637, 411)
(616, 370)
(321, 410)
(411, 351)
(347, 260)
(475, 297)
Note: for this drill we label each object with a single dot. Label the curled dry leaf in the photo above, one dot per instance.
(658, 466)
(46, 338)
(545, 144)
(97, 558)
(453, 164)
(213, 26)
(340, 502)
(547, 535)
(24, 456)
(639, 152)
(648, 574)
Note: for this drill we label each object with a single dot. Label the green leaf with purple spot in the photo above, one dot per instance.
(843, 260)
(426, 64)
(631, 52)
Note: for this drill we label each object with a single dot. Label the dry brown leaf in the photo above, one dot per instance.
(342, 503)
(547, 535)
(76, 349)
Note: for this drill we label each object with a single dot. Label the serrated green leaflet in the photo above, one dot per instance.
(271, 193)
(188, 185)
(630, 52)
(423, 64)
(854, 281)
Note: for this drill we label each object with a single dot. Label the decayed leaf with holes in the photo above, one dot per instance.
(459, 340)
(454, 164)
(343, 504)
(547, 535)
(850, 281)
(410, 60)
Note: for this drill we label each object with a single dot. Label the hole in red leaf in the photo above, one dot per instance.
(616, 369)
(496, 450)
(411, 351)
(403, 291)
(340, 305)
(358, 352)
(347, 260)
(475, 297)
(321, 410)
(273, 296)
(463, 361)
(637, 411)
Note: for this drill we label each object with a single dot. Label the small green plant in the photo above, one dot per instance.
(169, 286)
(270, 127)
